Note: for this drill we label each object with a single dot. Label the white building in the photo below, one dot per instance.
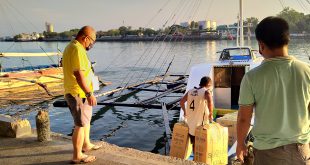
(202, 24)
(214, 25)
(49, 27)
(185, 24)
(208, 24)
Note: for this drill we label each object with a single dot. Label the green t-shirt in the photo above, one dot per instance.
(280, 91)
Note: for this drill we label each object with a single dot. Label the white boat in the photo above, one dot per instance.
(226, 74)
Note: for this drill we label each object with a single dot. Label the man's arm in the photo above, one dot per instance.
(81, 80)
(208, 97)
(182, 103)
(243, 126)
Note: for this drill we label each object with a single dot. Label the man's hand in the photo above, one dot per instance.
(92, 101)
(243, 127)
(241, 152)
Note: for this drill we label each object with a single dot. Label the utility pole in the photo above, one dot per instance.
(241, 23)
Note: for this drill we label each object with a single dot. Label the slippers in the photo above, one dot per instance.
(84, 160)
(95, 147)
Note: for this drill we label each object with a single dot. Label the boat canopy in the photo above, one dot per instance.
(237, 54)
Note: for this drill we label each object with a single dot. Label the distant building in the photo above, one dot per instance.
(49, 27)
(202, 24)
(213, 26)
(208, 25)
(185, 24)
(228, 30)
(28, 37)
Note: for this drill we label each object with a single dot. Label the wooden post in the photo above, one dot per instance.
(43, 126)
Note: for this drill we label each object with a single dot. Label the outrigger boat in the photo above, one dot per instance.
(41, 82)
(226, 75)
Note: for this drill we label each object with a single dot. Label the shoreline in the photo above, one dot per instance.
(169, 38)
(27, 150)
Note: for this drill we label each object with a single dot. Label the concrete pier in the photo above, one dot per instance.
(27, 150)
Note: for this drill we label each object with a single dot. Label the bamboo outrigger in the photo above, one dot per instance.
(144, 86)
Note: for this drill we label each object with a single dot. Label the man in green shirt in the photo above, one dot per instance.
(279, 92)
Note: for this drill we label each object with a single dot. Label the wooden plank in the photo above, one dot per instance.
(128, 93)
(63, 103)
(180, 87)
(166, 121)
(29, 54)
(177, 75)
(151, 90)
(167, 127)
(156, 79)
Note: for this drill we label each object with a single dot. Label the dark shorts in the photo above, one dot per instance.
(80, 110)
(192, 138)
(291, 154)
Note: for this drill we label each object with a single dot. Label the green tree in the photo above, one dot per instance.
(192, 25)
(18, 36)
(293, 18)
(50, 34)
(149, 32)
(252, 22)
(123, 30)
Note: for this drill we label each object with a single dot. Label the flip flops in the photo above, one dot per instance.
(84, 160)
(95, 147)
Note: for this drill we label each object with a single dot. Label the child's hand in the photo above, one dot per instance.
(210, 117)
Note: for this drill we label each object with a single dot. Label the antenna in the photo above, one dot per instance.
(241, 23)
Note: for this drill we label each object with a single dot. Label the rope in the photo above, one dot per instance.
(195, 12)
(302, 5)
(171, 17)
(9, 22)
(159, 11)
(146, 25)
(282, 4)
(9, 5)
(208, 10)
(169, 50)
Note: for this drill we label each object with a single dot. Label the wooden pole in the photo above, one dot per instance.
(43, 126)
(157, 79)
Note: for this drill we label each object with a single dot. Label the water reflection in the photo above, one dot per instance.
(139, 128)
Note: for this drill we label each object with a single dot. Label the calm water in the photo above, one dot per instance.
(123, 63)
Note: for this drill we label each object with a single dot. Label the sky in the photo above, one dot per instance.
(17, 16)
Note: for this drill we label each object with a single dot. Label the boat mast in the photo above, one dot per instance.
(241, 22)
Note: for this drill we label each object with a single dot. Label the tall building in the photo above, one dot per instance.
(208, 25)
(184, 24)
(202, 24)
(49, 27)
(213, 27)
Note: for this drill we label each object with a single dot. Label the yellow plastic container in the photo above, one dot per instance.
(181, 146)
(211, 144)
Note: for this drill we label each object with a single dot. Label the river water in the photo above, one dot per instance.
(127, 63)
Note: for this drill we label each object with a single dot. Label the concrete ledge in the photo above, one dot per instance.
(27, 150)
(15, 128)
